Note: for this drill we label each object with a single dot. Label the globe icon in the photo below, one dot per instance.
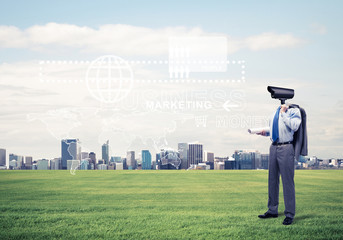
(109, 79)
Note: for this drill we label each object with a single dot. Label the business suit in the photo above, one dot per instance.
(284, 123)
(300, 136)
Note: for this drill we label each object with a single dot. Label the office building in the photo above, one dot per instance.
(183, 152)
(130, 160)
(203, 166)
(146, 160)
(211, 164)
(119, 166)
(208, 156)
(219, 165)
(248, 159)
(70, 150)
(42, 164)
(124, 163)
(92, 158)
(195, 154)
(102, 166)
(28, 162)
(236, 157)
(105, 152)
(229, 163)
(2, 157)
(55, 164)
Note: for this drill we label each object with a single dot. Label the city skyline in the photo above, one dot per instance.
(188, 154)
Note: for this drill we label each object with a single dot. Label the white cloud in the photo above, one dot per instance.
(12, 37)
(125, 40)
(271, 40)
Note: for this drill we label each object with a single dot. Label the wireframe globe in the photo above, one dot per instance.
(109, 79)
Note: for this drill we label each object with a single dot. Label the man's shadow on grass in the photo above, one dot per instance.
(305, 216)
(301, 217)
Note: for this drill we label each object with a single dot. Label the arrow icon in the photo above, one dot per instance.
(227, 105)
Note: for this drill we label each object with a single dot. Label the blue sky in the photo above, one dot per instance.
(310, 60)
(211, 15)
(235, 18)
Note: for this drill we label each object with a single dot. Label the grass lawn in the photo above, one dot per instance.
(165, 205)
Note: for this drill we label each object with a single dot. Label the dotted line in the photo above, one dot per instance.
(69, 62)
(243, 72)
(180, 80)
(153, 81)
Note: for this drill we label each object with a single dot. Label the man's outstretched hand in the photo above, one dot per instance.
(263, 133)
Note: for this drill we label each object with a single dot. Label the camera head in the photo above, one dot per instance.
(281, 93)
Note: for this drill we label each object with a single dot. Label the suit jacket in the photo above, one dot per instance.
(300, 136)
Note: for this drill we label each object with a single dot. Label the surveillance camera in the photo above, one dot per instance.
(281, 93)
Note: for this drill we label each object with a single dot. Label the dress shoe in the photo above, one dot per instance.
(268, 215)
(287, 221)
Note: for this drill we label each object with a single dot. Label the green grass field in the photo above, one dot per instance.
(164, 205)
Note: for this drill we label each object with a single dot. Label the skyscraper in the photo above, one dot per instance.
(55, 164)
(124, 163)
(28, 162)
(92, 158)
(208, 156)
(130, 160)
(2, 157)
(195, 154)
(70, 151)
(105, 152)
(183, 151)
(146, 160)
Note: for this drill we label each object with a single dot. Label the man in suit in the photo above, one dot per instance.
(284, 123)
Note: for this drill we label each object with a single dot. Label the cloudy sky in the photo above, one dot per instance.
(48, 63)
